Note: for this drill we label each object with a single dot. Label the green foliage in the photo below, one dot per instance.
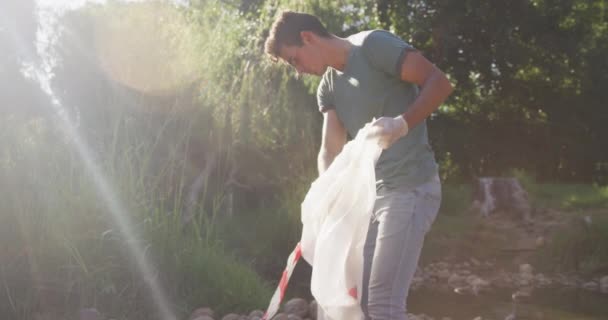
(579, 246)
(64, 243)
(524, 95)
(275, 226)
(453, 221)
(563, 196)
(166, 97)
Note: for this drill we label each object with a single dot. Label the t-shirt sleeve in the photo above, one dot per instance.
(386, 51)
(325, 98)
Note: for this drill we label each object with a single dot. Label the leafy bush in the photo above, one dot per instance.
(580, 246)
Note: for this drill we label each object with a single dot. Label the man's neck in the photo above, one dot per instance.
(337, 51)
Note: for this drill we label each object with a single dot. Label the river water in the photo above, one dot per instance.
(555, 304)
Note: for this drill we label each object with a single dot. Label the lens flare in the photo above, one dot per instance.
(39, 67)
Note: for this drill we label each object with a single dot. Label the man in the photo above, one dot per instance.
(374, 74)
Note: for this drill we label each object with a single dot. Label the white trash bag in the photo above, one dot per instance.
(335, 217)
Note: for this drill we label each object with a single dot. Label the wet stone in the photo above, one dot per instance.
(232, 316)
(280, 316)
(202, 312)
(297, 306)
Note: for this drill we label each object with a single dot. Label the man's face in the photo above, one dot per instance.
(305, 59)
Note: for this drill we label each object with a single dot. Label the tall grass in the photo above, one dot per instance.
(563, 196)
(276, 228)
(581, 244)
(576, 246)
(61, 251)
(453, 222)
(579, 247)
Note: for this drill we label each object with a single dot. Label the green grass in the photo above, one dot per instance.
(563, 196)
(61, 251)
(267, 235)
(578, 247)
(573, 248)
(453, 222)
(572, 196)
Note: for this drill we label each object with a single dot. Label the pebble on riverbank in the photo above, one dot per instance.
(474, 277)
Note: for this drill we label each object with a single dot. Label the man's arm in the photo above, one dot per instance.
(332, 140)
(435, 87)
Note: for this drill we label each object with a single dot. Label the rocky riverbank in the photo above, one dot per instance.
(475, 277)
(472, 277)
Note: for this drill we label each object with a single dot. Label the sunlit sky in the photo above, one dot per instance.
(49, 13)
(60, 5)
(65, 4)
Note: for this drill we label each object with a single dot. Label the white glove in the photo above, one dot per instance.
(389, 130)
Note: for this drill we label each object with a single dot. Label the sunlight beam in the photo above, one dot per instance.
(41, 72)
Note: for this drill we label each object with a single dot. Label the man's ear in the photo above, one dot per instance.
(307, 37)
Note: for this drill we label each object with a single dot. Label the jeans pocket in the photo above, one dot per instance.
(428, 201)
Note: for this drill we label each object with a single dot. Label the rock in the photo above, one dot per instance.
(203, 317)
(540, 241)
(280, 316)
(591, 285)
(296, 306)
(293, 317)
(525, 279)
(464, 290)
(604, 284)
(256, 313)
(443, 274)
(501, 280)
(312, 310)
(471, 278)
(232, 316)
(456, 280)
(89, 314)
(522, 294)
(587, 220)
(478, 285)
(526, 268)
(202, 312)
(475, 262)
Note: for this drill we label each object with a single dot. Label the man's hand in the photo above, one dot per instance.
(389, 130)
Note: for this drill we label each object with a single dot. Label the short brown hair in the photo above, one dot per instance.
(285, 31)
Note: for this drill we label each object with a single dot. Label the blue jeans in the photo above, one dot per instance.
(400, 220)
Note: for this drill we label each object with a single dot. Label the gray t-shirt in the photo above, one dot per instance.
(369, 87)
